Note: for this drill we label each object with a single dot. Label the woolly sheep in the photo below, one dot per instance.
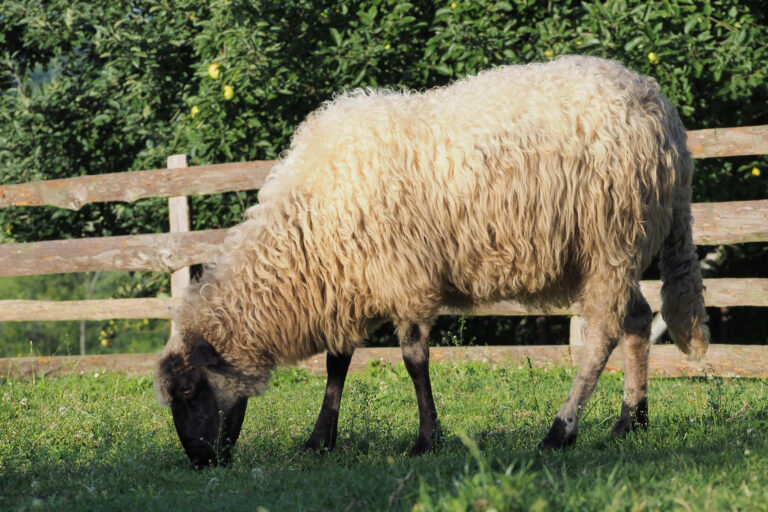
(551, 184)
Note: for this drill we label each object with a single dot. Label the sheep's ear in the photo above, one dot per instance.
(204, 355)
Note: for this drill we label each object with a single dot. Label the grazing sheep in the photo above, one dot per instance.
(549, 183)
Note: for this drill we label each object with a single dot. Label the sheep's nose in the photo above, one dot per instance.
(199, 462)
(202, 460)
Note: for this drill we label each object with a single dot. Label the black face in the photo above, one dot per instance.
(207, 430)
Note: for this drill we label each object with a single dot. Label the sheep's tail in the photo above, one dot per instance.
(682, 300)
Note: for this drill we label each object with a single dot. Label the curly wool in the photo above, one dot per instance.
(547, 183)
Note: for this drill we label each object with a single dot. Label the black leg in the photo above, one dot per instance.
(416, 357)
(632, 418)
(324, 434)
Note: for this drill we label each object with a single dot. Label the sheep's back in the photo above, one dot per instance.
(513, 183)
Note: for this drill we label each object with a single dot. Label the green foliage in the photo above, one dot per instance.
(91, 88)
(111, 87)
(100, 442)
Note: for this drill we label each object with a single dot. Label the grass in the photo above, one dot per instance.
(100, 442)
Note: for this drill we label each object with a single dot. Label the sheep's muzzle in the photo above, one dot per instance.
(206, 432)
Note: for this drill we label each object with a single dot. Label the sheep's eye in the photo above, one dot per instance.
(186, 390)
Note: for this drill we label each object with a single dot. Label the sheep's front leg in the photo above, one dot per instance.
(635, 344)
(415, 346)
(326, 428)
(597, 349)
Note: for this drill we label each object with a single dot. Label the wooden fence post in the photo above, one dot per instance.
(576, 338)
(178, 211)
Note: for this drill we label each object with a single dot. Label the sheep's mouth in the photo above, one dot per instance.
(202, 455)
(208, 440)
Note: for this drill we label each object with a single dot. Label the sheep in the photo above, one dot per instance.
(550, 183)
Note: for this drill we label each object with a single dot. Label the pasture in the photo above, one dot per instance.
(96, 441)
(95, 94)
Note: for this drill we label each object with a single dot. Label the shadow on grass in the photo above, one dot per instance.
(368, 470)
(134, 460)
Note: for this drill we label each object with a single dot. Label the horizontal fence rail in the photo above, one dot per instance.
(161, 252)
(105, 309)
(713, 224)
(733, 222)
(720, 292)
(665, 361)
(720, 142)
(73, 193)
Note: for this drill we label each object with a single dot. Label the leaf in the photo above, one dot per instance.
(336, 36)
(402, 7)
(692, 21)
(359, 77)
(365, 18)
(633, 43)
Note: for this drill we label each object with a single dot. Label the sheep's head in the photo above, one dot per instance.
(207, 397)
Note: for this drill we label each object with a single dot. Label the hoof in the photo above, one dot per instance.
(632, 418)
(558, 437)
(423, 446)
(312, 446)
(319, 443)
(621, 428)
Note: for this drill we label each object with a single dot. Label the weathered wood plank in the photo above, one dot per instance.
(665, 361)
(714, 224)
(719, 142)
(540, 355)
(504, 308)
(106, 309)
(719, 293)
(163, 252)
(58, 366)
(73, 193)
(178, 211)
(720, 360)
(732, 222)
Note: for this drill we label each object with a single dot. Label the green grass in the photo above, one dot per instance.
(89, 442)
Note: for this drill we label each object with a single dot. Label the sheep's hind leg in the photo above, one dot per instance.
(597, 349)
(415, 346)
(326, 427)
(635, 344)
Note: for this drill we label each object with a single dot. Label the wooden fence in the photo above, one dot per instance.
(714, 224)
